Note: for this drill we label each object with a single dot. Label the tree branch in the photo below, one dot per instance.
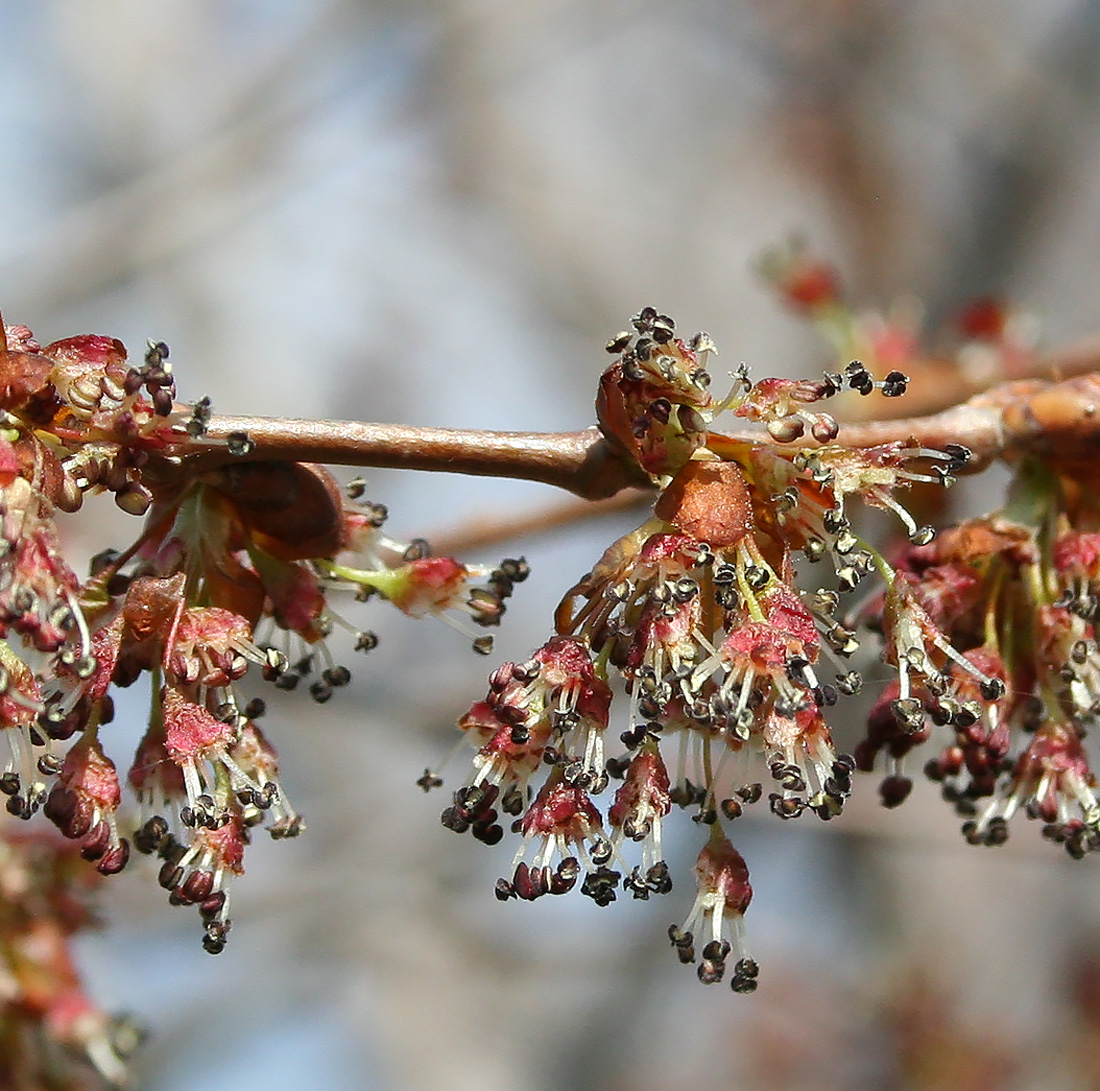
(581, 462)
(1059, 421)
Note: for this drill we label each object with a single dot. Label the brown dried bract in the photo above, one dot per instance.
(293, 510)
(709, 501)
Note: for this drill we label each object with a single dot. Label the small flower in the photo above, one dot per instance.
(653, 402)
(1052, 782)
(716, 919)
(1066, 649)
(254, 772)
(802, 758)
(200, 874)
(551, 709)
(440, 586)
(20, 705)
(926, 658)
(637, 814)
(564, 825)
(158, 786)
(779, 403)
(969, 769)
(194, 739)
(38, 589)
(1075, 556)
(804, 282)
(84, 802)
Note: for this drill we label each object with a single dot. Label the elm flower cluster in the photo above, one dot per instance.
(1000, 668)
(234, 573)
(730, 668)
(991, 626)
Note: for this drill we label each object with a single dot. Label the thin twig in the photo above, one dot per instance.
(1058, 421)
(484, 532)
(580, 462)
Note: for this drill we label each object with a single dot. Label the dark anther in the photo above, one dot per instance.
(731, 808)
(255, 708)
(156, 352)
(320, 692)
(49, 765)
(750, 793)
(617, 767)
(894, 385)
(658, 879)
(512, 801)
(711, 972)
(744, 978)
(908, 712)
(239, 444)
(756, 577)
(716, 950)
(661, 410)
(515, 568)
(488, 835)
(114, 860)
(213, 943)
(429, 780)
(859, 378)
(992, 689)
(894, 790)
(565, 877)
(789, 807)
(601, 852)
(151, 836)
(824, 428)
(365, 641)
(850, 683)
(336, 676)
(455, 818)
(684, 942)
(600, 885)
(417, 550)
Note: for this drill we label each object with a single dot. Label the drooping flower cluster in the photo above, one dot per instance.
(1009, 683)
(730, 667)
(235, 570)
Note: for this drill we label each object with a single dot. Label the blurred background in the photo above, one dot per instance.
(437, 212)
